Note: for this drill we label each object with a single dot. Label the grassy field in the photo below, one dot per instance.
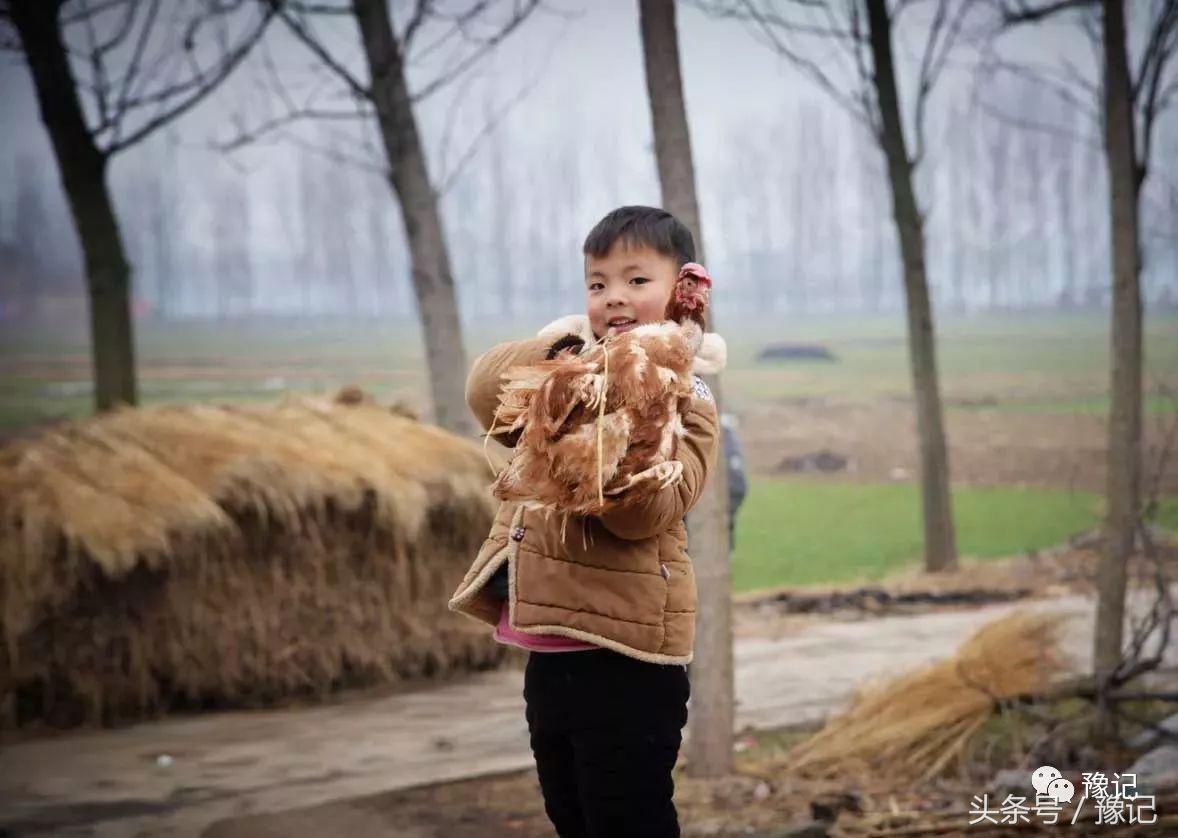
(801, 532)
(790, 531)
(1041, 363)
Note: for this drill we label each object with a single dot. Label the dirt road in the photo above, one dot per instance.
(218, 766)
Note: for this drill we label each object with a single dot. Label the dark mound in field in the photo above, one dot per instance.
(823, 461)
(796, 352)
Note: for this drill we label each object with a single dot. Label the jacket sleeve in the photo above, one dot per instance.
(697, 452)
(483, 383)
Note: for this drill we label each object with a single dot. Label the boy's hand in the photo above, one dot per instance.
(569, 346)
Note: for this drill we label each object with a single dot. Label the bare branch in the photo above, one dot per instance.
(88, 11)
(488, 128)
(98, 67)
(133, 68)
(519, 14)
(1065, 89)
(312, 43)
(1159, 32)
(372, 165)
(1023, 12)
(853, 104)
(1163, 41)
(247, 137)
(1150, 93)
(317, 8)
(725, 12)
(866, 100)
(1153, 494)
(1093, 141)
(415, 21)
(209, 83)
(924, 82)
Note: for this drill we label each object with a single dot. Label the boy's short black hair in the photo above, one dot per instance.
(650, 226)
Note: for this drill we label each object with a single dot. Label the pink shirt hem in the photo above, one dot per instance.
(504, 633)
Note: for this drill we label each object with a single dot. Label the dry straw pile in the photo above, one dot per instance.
(214, 556)
(908, 728)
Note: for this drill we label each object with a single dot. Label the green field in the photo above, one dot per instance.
(790, 532)
(1055, 362)
(1041, 363)
(801, 532)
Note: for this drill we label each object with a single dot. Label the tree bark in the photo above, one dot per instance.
(433, 282)
(1069, 292)
(83, 174)
(940, 548)
(1124, 427)
(709, 745)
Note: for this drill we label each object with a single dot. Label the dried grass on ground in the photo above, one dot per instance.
(909, 727)
(197, 556)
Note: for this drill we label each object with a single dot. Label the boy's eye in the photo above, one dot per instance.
(595, 286)
(641, 280)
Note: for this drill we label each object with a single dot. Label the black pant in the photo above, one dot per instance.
(605, 730)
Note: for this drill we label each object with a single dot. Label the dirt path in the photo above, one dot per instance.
(988, 447)
(225, 765)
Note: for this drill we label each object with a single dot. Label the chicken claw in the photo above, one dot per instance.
(592, 390)
(668, 473)
(665, 474)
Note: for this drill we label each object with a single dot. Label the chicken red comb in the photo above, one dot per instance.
(698, 271)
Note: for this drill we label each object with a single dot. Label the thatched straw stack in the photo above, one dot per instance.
(909, 727)
(196, 556)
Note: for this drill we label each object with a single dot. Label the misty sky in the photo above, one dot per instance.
(585, 117)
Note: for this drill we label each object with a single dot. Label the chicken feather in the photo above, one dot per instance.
(600, 430)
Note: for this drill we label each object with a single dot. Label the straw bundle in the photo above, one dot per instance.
(184, 556)
(909, 727)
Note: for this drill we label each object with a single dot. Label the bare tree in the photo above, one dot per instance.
(338, 234)
(233, 276)
(137, 69)
(998, 161)
(379, 216)
(846, 49)
(29, 222)
(872, 252)
(311, 258)
(957, 146)
(1063, 150)
(161, 212)
(503, 198)
(384, 97)
(713, 713)
(1131, 95)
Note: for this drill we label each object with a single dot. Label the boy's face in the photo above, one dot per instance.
(627, 287)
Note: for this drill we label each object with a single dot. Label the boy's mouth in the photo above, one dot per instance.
(621, 324)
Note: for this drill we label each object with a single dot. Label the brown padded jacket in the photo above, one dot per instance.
(622, 580)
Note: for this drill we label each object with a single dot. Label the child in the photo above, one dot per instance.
(608, 612)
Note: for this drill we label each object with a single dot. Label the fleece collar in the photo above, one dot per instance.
(711, 358)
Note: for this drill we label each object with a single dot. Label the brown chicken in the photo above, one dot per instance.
(600, 429)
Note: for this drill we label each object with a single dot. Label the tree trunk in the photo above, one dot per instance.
(433, 283)
(940, 548)
(957, 279)
(501, 192)
(83, 175)
(1069, 294)
(1124, 427)
(709, 745)
(999, 223)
